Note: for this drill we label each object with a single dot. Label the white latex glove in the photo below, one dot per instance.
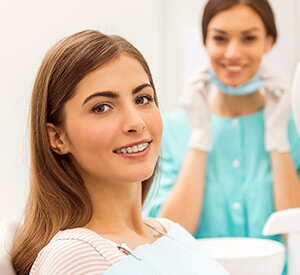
(296, 97)
(194, 101)
(277, 111)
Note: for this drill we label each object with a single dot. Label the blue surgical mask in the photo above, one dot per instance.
(251, 86)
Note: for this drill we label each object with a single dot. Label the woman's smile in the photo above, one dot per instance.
(135, 148)
(135, 152)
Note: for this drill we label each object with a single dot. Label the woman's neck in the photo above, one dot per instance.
(231, 106)
(117, 213)
(115, 206)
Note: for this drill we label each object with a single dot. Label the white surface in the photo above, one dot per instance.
(246, 256)
(294, 253)
(284, 221)
(287, 222)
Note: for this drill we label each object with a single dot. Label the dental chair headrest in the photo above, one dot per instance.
(7, 232)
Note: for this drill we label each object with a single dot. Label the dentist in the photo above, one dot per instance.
(231, 159)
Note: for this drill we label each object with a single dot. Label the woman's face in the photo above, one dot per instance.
(236, 42)
(113, 126)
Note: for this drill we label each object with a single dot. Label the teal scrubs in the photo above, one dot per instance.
(239, 182)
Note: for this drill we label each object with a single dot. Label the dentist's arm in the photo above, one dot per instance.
(184, 204)
(286, 183)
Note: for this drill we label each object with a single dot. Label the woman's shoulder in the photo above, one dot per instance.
(162, 224)
(79, 237)
(80, 234)
(75, 250)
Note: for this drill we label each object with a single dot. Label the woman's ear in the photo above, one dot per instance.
(57, 139)
(269, 43)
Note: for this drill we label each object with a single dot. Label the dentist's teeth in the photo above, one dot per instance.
(234, 68)
(134, 149)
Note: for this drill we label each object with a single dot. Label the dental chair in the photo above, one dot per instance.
(7, 231)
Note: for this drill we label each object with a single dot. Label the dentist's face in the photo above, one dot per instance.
(236, 42)
(113, 125)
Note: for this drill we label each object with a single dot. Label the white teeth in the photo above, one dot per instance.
(141, 147)
(234, 68)
(134, 149)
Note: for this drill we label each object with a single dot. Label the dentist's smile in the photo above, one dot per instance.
(234, 68)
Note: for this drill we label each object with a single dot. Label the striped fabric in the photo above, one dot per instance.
(79, 251)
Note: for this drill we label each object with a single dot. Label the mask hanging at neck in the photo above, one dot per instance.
(251, 86)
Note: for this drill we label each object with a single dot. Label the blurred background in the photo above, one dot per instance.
(167, 32)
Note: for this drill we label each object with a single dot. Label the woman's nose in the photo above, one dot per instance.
(233, 50)
(132, 121)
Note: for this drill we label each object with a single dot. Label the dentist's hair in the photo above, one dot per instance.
(261, 7)
(58, 199)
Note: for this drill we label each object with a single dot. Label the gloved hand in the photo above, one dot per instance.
(277, 111)
(194, 101)
(296, 97)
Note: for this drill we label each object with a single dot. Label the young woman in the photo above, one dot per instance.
(231, 159)
(95, 139)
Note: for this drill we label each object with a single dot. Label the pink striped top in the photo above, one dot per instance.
(79, 251)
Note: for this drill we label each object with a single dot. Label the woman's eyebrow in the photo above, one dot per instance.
(104, 93)
(140, 87)
(115, 94)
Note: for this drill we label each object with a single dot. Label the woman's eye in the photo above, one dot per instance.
(143, 100)
(101, 108)
(249, 38)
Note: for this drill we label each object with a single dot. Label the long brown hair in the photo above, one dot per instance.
(261, 7)
(58, 199)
